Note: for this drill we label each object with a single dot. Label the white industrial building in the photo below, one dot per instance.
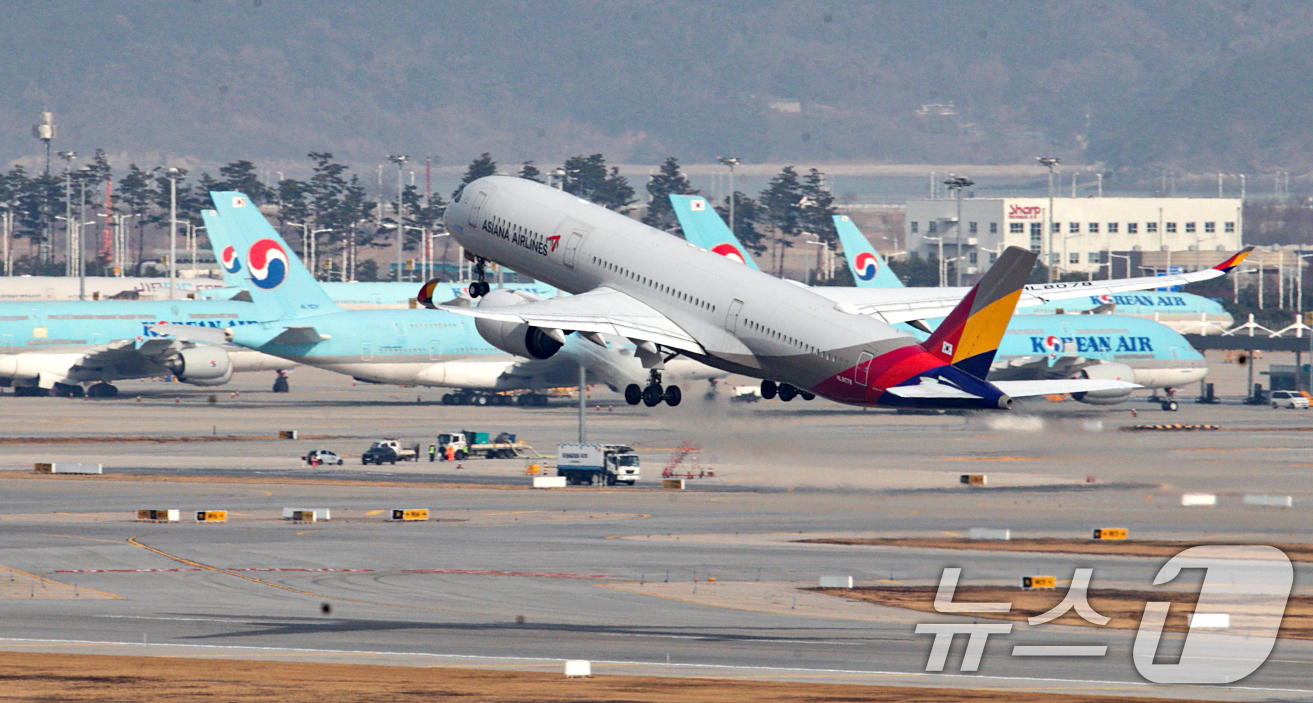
(1076, 234)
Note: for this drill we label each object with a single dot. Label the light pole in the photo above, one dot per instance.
(68, 157)
(956, 184)
(730, 161)
(400, 160)
(1050, 162)
(172, 175)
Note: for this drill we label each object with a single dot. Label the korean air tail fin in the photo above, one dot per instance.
(703, 227)
(254, 256)
(869, 269)
(969, 337)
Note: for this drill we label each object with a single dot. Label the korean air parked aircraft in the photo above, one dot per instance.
(1185, 313)
(661, 292)
(410, 347)
(60, 348)
(1034, 347)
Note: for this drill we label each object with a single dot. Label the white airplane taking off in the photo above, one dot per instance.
(671, 298)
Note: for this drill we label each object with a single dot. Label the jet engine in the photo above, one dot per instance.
(1108, 372)
(516, 337)
(202, 366)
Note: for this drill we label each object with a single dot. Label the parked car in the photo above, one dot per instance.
(1289, 399)
(322, 457)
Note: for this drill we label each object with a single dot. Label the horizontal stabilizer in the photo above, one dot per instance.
(930, 390)
(190, 333)
(1024, 389)
(299, 335)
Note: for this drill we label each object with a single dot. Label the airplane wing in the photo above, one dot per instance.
(602, 310)
(906, 304)
(1015, 389)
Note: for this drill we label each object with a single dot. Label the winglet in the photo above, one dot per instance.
(969, 337)
(1234, 260)
(425, 295)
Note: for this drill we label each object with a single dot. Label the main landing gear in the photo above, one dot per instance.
(480, 287)
(653, 394)
(786, 392)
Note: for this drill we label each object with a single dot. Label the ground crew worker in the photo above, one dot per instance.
(451, 452)
(433, 453)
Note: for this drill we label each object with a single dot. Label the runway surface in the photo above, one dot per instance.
(514, 578)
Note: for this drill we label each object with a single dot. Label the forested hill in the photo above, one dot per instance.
(1202, 84)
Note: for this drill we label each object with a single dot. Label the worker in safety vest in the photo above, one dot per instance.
(433, 452)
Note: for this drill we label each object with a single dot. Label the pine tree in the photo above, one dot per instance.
(667, 181)
(589, 178)
(243, 177)
(782, 202)
(478, 168)
(133, 195)
(748, 215)
(529, 172)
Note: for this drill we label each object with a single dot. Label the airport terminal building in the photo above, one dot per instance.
(1078, 235)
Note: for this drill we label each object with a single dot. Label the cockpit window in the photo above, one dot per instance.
(455, 198)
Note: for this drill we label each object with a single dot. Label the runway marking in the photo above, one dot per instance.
(508, 573)
(376, 512)
(990, 458)
(89, 539)
(206, 567)
(510, 661)
(146, 571)
(59, 583)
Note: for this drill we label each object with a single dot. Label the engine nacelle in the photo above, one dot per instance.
(515, 337)
(1106, 372)
(203, 366)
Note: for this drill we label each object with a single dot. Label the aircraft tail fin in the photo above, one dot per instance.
(969, 337)
(869, 269)
(702, 226)
(252, 253)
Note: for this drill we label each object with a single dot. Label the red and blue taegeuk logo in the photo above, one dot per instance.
(268, 263)
(1053, 344)
(866, 266)
(228, 259)
(729, 251)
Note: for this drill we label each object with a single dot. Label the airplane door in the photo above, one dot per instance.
(435, 352)
(863, 368)
(366, 352)
(400, 327)
(732, 316)
(7, 341)
(1174, 352)
(97, 338)
(571, 247)
(475, 206)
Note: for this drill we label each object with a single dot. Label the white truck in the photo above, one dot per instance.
(604, 464)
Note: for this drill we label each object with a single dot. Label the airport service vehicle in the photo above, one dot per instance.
(466, 444)
(1034, 347)
(388, 451)
(673, 298)
(745, 394)
(80, 348)
(1289, 399)
(322, 457)
(603, 464)
(301, 323)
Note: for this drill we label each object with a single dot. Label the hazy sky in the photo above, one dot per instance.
(1193, 84)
